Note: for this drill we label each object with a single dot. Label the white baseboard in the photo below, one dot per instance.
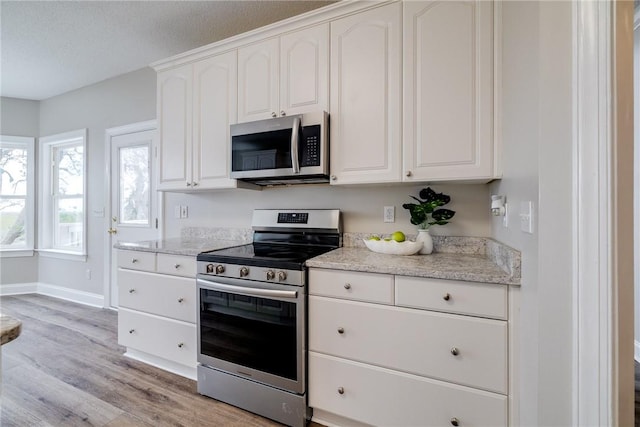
(19, 289)
(82, 297)
(636, 351)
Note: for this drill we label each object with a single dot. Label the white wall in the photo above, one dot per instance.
(19, 117)
(537, 159)
(361, 207)
(119, 101)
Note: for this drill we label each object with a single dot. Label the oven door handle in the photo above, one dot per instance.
(254, 292)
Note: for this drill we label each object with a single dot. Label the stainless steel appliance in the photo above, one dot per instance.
(252, 332)
(283, 150)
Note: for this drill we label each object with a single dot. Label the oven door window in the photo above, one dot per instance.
(258, 333)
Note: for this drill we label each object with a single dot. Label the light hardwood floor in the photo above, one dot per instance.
(66, 369)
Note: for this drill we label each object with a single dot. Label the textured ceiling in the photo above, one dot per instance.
(52, 47)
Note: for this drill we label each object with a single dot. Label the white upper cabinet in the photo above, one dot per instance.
(175, 99)
(366, 91)
(448, 91)
(196, 104)
(215, 108)
(284, 75)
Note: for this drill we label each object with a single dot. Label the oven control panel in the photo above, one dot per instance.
(293, 217)
(259, 274)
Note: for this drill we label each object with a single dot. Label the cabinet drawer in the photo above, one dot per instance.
(167, 338)
(415, 341)
(475, 299)
(137, 260)
(159, 294)
(371, 287)
(386, 398)
(176, 265)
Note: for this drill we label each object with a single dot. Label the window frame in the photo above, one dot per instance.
(28, 143)
(48, 200)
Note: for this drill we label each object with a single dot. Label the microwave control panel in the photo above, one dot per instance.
(310, 147)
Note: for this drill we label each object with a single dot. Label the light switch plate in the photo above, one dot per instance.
(526, 217)
(184, 212)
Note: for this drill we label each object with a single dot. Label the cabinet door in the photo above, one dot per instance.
(215, 108)
(258, 80)
(175, 125)
(365, 97)
(304, 70)
(448, 90)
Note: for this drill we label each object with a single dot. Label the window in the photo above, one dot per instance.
(16, 195)
(63, 204)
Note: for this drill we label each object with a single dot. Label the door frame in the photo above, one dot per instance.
(603, 373)
(109, 135)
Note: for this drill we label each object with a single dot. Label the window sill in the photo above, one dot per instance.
(15, 253)
(54, 253)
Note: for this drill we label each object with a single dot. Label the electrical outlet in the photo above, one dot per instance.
(87, 274)
(389, 214)
(184, 212)
(177, 211)
(505, 218)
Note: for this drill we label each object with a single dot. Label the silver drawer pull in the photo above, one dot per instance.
(341, 330)
(455, 422)
(446, 297)
(181, 345)
(134, 260)
(341, 390)
(131, 331)
(131, 290)
(177, 266)
(180, 300)
(455, 351)
(347, 286)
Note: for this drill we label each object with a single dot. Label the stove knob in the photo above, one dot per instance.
(270, 275)
(209, 268)
(282, 276)
(219, 269)
(244, 271)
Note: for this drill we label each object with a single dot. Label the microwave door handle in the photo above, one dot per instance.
(295, 142)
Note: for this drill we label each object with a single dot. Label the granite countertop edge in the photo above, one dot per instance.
(179, 245)
(448, 266)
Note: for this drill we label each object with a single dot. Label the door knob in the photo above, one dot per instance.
(112, 231)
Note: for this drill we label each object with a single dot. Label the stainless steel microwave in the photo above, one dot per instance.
(284, 150)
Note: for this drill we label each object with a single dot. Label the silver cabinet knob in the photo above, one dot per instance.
(180, 300)
(219, 269)
(188, 184)
(134, 260)
(131, 290)
(270, 275)
(408, 173)
(341, 390)
(334, 178)
(195, 184)
(244, 272)
(446, 297)
(455, 351)
(131, 331)
(282, 276)
(455, 422)
(181, 345)
(176, 266)
(347, 286)
(273, 114)
(282, 113)
(341, 330)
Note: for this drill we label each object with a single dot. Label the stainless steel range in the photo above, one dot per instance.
(252, 332)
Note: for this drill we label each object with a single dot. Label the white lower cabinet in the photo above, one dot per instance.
(383, 397)
(157, 309)
(377, 361)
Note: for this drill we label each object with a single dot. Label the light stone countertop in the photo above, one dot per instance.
(179, 245)
(452, 266)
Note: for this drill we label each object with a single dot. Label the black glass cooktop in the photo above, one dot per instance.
(290, 257)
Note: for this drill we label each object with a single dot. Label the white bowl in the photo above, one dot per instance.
(392, 247)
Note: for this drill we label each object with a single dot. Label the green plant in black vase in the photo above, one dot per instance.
(426, 212)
